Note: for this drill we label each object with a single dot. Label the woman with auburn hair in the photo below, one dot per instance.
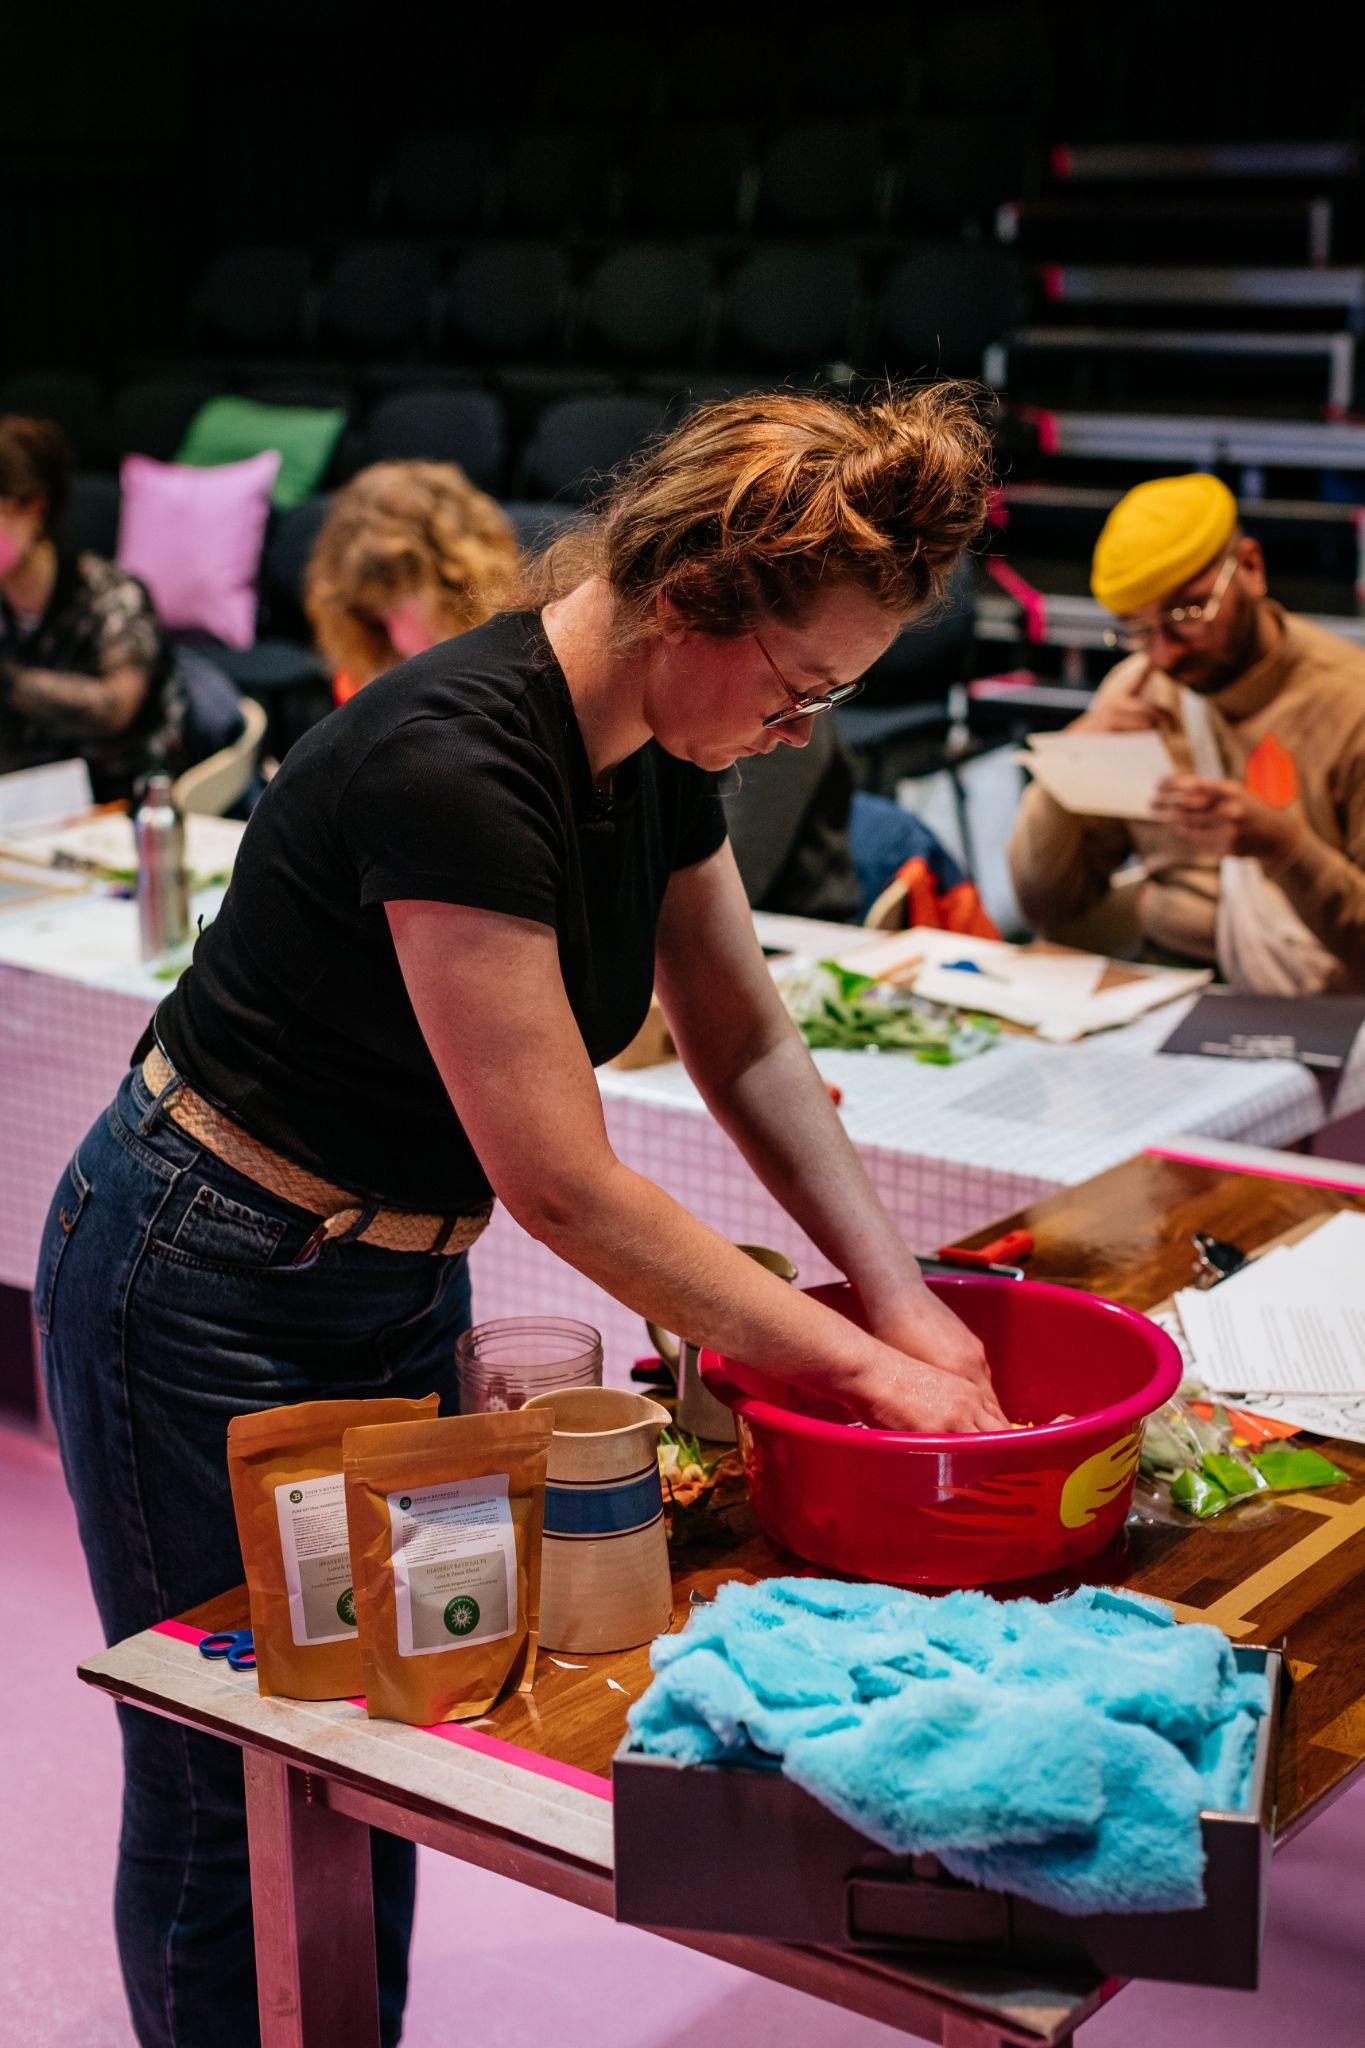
(450, 905)
(410, 553)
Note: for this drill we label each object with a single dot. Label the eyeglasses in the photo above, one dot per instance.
(804, 703)
(1182, 622)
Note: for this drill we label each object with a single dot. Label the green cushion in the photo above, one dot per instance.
(234, 429)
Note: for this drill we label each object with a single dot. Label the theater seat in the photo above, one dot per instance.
(69, 397)
(647, 302)
(795, 305)
(380, 298)
(153, 415)
(940, 307)
(254, 299)
(576, 440)
(92, 516)
(507, 301)
(823, 176)
(465, 427)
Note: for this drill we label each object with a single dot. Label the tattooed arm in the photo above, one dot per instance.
(74, 706)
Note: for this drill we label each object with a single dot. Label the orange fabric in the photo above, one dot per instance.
(344, 687)
(1271, 774)
(958, 909)
(1256, 1430)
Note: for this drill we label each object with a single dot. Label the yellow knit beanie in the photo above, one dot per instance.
(1157, 537)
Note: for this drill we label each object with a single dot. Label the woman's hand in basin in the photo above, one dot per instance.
(911, 1394)
(919, 1324)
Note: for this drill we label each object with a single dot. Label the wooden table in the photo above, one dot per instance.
(526, 1792)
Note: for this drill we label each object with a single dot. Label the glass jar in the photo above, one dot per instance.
(501, 1364)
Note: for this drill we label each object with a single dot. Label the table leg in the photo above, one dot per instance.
(314, 1913)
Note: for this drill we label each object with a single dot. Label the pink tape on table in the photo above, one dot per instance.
(1216, 1165)
(525, 1759)
(182, 1632)
(451, 1731)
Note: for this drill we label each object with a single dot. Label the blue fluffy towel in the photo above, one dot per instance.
(1061, 1751)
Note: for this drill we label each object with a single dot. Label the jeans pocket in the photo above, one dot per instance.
(68, 1206)
(429, 1331)
(220, 1235)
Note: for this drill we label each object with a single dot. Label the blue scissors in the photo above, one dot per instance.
(236, 1644)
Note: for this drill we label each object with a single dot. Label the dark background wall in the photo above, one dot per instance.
(136, 141)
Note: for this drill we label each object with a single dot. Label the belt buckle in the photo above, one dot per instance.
(343, 1227)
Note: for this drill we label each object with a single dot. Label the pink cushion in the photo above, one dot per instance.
(194, 536)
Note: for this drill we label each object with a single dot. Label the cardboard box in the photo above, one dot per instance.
(737, 1850)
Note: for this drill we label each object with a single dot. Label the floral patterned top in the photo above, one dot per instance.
(99, 621)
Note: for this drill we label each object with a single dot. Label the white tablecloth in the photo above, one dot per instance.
(948, 1148)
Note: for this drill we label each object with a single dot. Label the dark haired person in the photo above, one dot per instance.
(1254, 704)
(450, 905)
(84, 665)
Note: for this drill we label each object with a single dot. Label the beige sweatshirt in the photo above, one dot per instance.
(1310, 692)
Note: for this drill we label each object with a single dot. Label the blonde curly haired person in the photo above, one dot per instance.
(410, 553)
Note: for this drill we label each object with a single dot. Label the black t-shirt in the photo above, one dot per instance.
(460, 777)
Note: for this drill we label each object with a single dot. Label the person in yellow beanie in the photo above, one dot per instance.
(1255, 859)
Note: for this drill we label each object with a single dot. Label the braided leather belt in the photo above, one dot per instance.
(344, 1215)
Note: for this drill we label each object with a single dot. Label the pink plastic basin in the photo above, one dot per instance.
(963, 1510)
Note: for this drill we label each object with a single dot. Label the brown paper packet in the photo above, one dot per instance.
(306, 1647)
(445, 1520)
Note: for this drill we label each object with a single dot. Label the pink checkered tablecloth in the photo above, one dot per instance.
(948, 1149)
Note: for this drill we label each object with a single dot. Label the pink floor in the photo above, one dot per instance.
(489, 1955)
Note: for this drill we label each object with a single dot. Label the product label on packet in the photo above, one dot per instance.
(317, 1558)
(454, 1565)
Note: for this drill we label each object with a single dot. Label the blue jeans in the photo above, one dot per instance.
(167, 1303)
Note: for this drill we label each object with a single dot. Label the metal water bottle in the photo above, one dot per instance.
(163, 896)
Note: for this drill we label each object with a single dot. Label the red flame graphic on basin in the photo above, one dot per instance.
(964, 1510)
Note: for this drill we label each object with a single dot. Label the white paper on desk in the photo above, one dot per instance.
(1099, 774)
(1338, 1241)
(1310, 1340)
(1340, 1415)
(105, 843)
(1055, 992)
(1059, 973)
(37, 796)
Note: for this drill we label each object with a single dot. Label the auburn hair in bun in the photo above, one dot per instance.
(754, 505)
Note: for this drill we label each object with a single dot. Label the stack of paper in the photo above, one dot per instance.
(1290, 1324)
(1340, 1415)
(1060, 994)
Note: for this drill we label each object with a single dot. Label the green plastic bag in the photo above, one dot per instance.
(1224, 1481)
(1289, 1468)
(1233, 1475)
(1199, 1496)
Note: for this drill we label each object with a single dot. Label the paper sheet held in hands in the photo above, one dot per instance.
(1099, 774)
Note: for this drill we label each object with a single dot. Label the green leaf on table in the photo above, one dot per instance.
(851, 983)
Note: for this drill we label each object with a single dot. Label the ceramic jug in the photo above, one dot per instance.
(699, 1412)
(604, 1578)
